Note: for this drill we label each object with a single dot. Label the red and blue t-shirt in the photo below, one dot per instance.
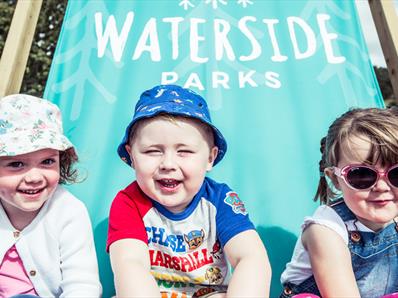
(186, 249)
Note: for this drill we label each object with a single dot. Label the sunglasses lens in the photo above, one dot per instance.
(393, 177)
(362, 178)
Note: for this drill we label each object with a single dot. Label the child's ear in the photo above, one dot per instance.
(330, 174)
(128, 149)
(212, 157)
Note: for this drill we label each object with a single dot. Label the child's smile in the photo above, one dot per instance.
(169, 185)
(31, 191)
(31, 194)
(380, 203)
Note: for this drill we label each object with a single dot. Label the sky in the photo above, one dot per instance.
(369, 30)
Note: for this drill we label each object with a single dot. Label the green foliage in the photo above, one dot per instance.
(42, 51)
(44, 41)
(385, 85)
(6, 12)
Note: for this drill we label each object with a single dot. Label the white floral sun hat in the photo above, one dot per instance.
(28, 124)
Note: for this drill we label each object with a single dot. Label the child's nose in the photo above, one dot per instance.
(168, 162)
(382, 184)
(33, 176)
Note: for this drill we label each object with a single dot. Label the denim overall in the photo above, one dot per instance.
(374, 260)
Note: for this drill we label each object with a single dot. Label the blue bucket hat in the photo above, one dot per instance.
(173, 100)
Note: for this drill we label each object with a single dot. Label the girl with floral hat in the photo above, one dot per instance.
(47, 247)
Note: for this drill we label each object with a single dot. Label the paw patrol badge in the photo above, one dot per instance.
(233, 200)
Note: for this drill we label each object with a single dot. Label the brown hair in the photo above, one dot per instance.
(67, 159)
(380, 126)
(172, 118)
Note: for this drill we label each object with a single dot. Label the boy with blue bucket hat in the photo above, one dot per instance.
(174, 232)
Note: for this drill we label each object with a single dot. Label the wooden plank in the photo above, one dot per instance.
(17, 46)
(386, 22)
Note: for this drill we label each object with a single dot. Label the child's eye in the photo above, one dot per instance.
(185, 151)
(48, 161)
(152, 151)
(15, 164)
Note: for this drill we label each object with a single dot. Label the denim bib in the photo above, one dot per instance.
(374, 260)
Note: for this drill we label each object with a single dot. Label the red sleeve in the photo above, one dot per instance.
(126, 215)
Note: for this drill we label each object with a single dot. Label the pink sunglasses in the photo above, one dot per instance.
(361, 177)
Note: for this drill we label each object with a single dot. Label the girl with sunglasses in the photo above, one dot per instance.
(349, 247)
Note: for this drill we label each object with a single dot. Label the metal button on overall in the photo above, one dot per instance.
(355, 236)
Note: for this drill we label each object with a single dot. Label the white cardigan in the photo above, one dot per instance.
(56, 248)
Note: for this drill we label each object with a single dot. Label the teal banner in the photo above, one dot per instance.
(274, 73)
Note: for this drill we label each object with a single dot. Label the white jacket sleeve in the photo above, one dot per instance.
(79, 267)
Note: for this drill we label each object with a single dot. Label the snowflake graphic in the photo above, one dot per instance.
(186, 4)
(214, 3)
(244, 3)
(84, 73)
(348, 69)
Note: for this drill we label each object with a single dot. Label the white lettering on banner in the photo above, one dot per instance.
(193, 81)
(221, 29)
(174, 35)
(194, 39)
(219, 78)
(271, 79)
(256, 52)
(149, 32)
(311, 39)
(117, 41)
(246, 78)
(327, 37)
(169, 77)
(278, 57)
(150, 43)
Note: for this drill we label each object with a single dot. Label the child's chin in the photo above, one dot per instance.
(174, 208)
(34, 208)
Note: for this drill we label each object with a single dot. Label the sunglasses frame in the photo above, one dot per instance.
(343, 172)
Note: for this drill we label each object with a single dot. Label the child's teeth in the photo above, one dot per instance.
(30, 192)
(169, 182)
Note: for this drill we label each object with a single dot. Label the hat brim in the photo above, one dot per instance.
(22, 143)
(152, 111)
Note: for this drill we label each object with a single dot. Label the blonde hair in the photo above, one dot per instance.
(379, 126)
